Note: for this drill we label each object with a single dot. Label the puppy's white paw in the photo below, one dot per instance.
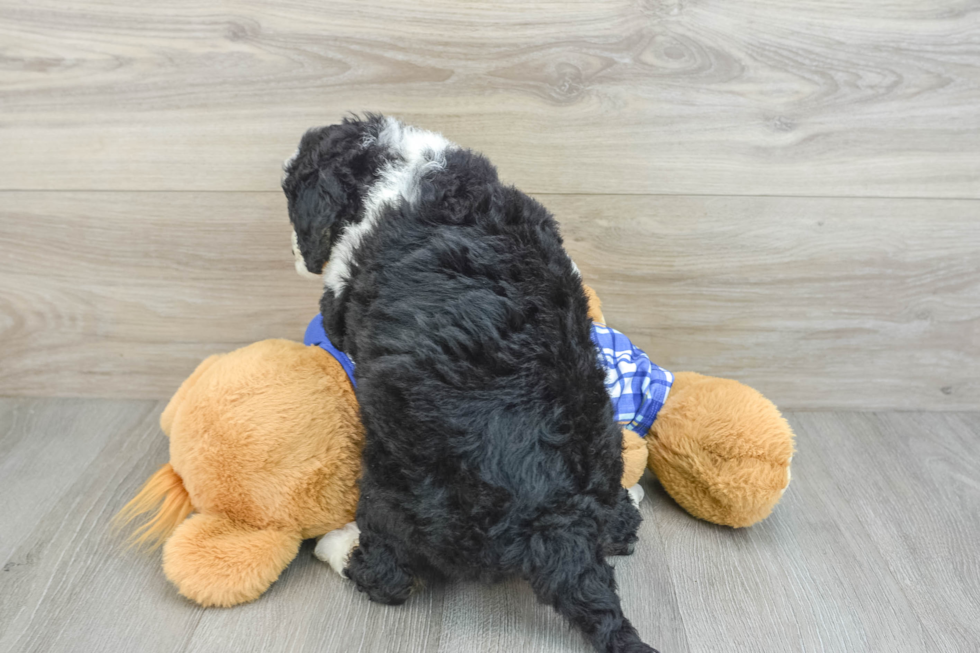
(335, 547)
(636, 494)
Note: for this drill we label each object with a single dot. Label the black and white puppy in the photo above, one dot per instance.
(491, 448)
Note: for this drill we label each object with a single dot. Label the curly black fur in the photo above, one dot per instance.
(491, 448)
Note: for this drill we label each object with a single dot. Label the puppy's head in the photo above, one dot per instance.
(325, 182)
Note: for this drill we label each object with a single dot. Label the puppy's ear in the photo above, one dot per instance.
(315, 206)
(321, 190)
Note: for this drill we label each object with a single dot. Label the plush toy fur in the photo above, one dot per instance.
(721, 450)
(265, 446)
(718, 447)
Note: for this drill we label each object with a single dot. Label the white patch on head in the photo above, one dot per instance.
(419, 152)
(335, 547)
(285, 165)
(578, 273)
(298, 261)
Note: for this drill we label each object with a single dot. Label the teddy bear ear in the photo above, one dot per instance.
(217, 562)
(167, 417)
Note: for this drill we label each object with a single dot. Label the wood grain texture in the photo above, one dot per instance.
(817, 302)
(920, 508)
(43, 451)
(69, 585)
(123, 294)
(312, 610)
(785, 97)
(804, 580)
(871, 549)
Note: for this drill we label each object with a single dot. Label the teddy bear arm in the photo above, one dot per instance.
(721, 450)
(635, 455)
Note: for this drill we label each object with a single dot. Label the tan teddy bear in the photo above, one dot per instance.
(265, 446)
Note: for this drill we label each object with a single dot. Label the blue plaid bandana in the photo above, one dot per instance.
(637, 387)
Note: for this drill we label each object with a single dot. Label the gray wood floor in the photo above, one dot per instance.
(874, 548)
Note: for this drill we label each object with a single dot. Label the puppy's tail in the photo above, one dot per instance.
(576, 581)
(165, 497)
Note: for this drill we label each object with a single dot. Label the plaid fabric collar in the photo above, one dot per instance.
(637, 387)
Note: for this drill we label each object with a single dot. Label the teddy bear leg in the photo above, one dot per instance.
(620, 536)
(216, 562)
(335, 547)
(721, 450)
(635, 456)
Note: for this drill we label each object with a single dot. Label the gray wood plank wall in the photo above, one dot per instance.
(784, 192)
